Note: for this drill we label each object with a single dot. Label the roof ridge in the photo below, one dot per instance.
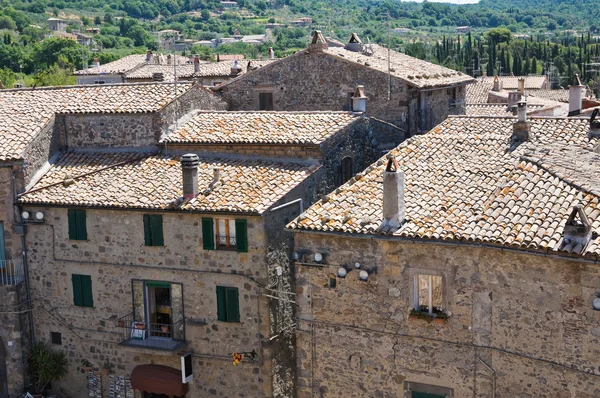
(91, 86)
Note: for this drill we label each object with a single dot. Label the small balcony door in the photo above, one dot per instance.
(158, 307)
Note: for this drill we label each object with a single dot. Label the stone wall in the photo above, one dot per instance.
(263, 151)
(40, 150)
(114, 255)
(12, 242)
(94, 79)
(528, 317)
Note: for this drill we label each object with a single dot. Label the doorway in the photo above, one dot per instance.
(159, 308)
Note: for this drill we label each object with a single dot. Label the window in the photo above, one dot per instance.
(228, 306)
(347, 170)
(99, 82)
(2, 249)
(428, 294)
(56, 338)
(418, 390)
(265, 101)
(82, 290)
(225, 234)
(153, 230)
(348, 106)
(77, 224)
(216, 83)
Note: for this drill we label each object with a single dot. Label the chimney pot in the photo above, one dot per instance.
(497, 84)
(196, 65)
(521, 85)
(359, 100)
(393, 197)
(575, 96)
(189, 169)
(271, 53)
(169, 59)
(522, 128)
(236, 69)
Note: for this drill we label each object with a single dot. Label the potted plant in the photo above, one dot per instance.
(121, 323)
(45, 367)
(86, 366)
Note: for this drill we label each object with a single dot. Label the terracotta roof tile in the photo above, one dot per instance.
(466, 181)
(125, 64)
(153, 181)
(310, 128)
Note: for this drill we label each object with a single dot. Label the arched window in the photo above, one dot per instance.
(347, 170)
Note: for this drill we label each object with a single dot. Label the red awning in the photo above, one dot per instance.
(158, 379)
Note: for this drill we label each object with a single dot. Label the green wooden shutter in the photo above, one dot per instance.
(208, 236)
(221, 304)
(241, 235)
(156, 229)
(86, 290)
(72, 214)
(2, 248)
(233, 305)
(77, 294)
(81, 225)
(147, 231)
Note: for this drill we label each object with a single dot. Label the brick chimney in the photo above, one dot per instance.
(393, 197)
(575, 96)
(196, 64)
(359, 100)
(522, 128)
(189, 169)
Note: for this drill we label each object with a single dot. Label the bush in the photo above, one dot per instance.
(46, 366)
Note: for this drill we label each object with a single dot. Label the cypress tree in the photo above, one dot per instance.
(534, 65)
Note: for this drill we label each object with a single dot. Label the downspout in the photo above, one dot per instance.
(25, 264)
(493, 375)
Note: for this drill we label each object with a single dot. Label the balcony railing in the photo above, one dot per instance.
(12, 272)
(226, 242)
(158, 336)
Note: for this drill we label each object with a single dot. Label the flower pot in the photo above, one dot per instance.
(121, 323)
(440, 321)
(165, 329)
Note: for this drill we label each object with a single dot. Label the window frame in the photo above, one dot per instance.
(343, 165)
(240, 228)
(228, 223)
(260, 102)
(77, 219)
(223, 307)
(410, 387)
(151, 236)
(85, 299)
(414, 294)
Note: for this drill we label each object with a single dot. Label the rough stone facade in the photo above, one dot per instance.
(313, 80)
(519, 321)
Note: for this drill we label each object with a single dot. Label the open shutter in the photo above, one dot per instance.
(86, 290)
(147, 231)
(157, 230)
(72, 214)
(81, 225)
(221, 304)
(233, 305)
(208, 237)
(241, 235)
(77, 294)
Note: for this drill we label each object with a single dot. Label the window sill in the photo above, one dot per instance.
(424, 316)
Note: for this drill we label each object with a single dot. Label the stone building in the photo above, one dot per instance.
(410, 93)
(156, 220)
(464, 264)
(35, 126)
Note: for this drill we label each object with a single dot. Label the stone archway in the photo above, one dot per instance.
(3, 372)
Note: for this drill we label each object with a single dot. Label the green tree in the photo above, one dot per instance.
(46, 366)
(7, 22)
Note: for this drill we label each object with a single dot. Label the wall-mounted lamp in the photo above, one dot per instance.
(596, 302)
(342, 272)
(357, 265)
(364, 274)
(39, 216)
(318, 257)
(25, 215)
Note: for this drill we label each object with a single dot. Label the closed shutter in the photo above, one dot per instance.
(221, 304)
(72, 214)
(147, 231)
(77, 295)
(233, 306)
(208, 237)
(156, 227)
(81, 225)
(2, 249)
(241, 234)
(86, 290)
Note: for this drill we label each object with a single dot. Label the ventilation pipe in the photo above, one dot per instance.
(522, 128)
(189, 169)
(393, 197)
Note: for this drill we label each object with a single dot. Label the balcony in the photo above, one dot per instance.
(12, 272)
(157, 336)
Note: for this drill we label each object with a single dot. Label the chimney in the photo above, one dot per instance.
(522, 128)
(521, 85)
(393, 197)
(196, 65)
(575, 96)
(513, 98)
(354, 44)
(96, 63)
(271, 53)
(214, 183)
(578, 231)
(359, 100)
(189, 169)
(148, 56)
(236, 69)
(497, 84)
(169, 59)
(318, 42)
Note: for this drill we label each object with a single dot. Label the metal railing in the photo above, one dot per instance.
(226, 242)
(162, 336)
(12, 272)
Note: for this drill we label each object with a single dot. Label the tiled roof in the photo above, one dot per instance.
(310, 128)
(554, 95)
(512, 82)
(477, 92)
(416, 72)
(25, 112)
(153, 181)
(146, 71)
(126, 64)
(223, 68)
(493, 109)
(465, 181)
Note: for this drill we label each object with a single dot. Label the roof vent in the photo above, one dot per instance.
(393, 197)
(96, 63)
(522, 128)
(169, 58)
(578, 228)
(354, 44)
(189, 169)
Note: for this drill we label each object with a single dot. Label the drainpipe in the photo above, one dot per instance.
(493, 375)
(3, 372)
